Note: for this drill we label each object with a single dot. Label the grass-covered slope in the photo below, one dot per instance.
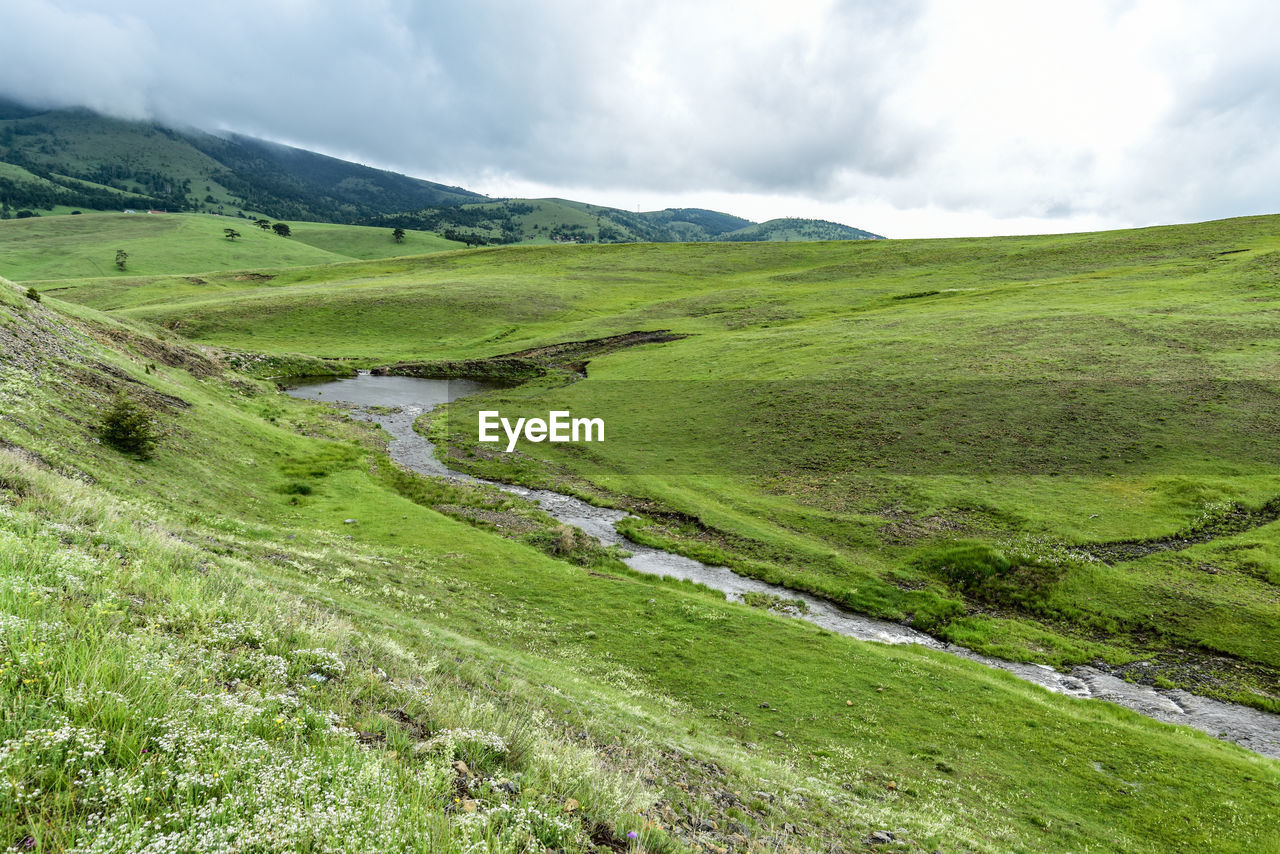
(964, 433)
(264, 638)
(56, 160)
(793, 228)
(547, 221)
(188, 169)
(30, 193)
(47, 248)
(363, 242)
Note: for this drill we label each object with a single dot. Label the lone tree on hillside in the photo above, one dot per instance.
(127, 427)
(121, 258)
(231, 233)
(398, 235)
(282, 229)
(264, 224)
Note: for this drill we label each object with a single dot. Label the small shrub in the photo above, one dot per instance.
(18, 484)
(770, 602)
(320, 665)
(255, 667)
(968, 566)
(987, 574)
(569, 543)
(483, 751)
(33, 295)
(128, 427)
(934, 613)
(566, 540)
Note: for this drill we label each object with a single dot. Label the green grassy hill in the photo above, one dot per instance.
(792, 228)
(547, 221)
(45, 248)
(1048, 448)
(266, 635)
(54, 161)
(191, 170)
(58, 194)
(367, 243)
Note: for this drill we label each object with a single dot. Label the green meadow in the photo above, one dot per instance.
(268, 630)
(949, 432)
(60, 247)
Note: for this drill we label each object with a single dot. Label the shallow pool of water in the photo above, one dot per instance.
(369, 390)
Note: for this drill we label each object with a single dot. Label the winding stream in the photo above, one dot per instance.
(1251, 728)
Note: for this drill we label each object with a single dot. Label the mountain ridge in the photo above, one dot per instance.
(54, 160)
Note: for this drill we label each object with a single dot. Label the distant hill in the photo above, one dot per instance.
(563, 221)
(77, 158)
(54, 161)
(292, 183)
(68, 247)
(791, 228)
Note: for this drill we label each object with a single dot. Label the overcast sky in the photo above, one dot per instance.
(910, 119)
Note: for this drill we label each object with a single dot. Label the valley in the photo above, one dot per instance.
(815, 430)
(953, 436)
(64, 161)
(396, 402)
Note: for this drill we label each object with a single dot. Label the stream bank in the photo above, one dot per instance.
(396, 402)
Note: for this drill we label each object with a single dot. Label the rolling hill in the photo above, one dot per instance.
(265, 635)
(544, 221)
(255, 631)
(842, 417)
(61, 247)
(79, 158)
(56, 161)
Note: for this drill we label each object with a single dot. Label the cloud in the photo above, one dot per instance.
(61, 56)
(1137, 112)
(1095, 111)
(1212, 153)
(665, 95)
